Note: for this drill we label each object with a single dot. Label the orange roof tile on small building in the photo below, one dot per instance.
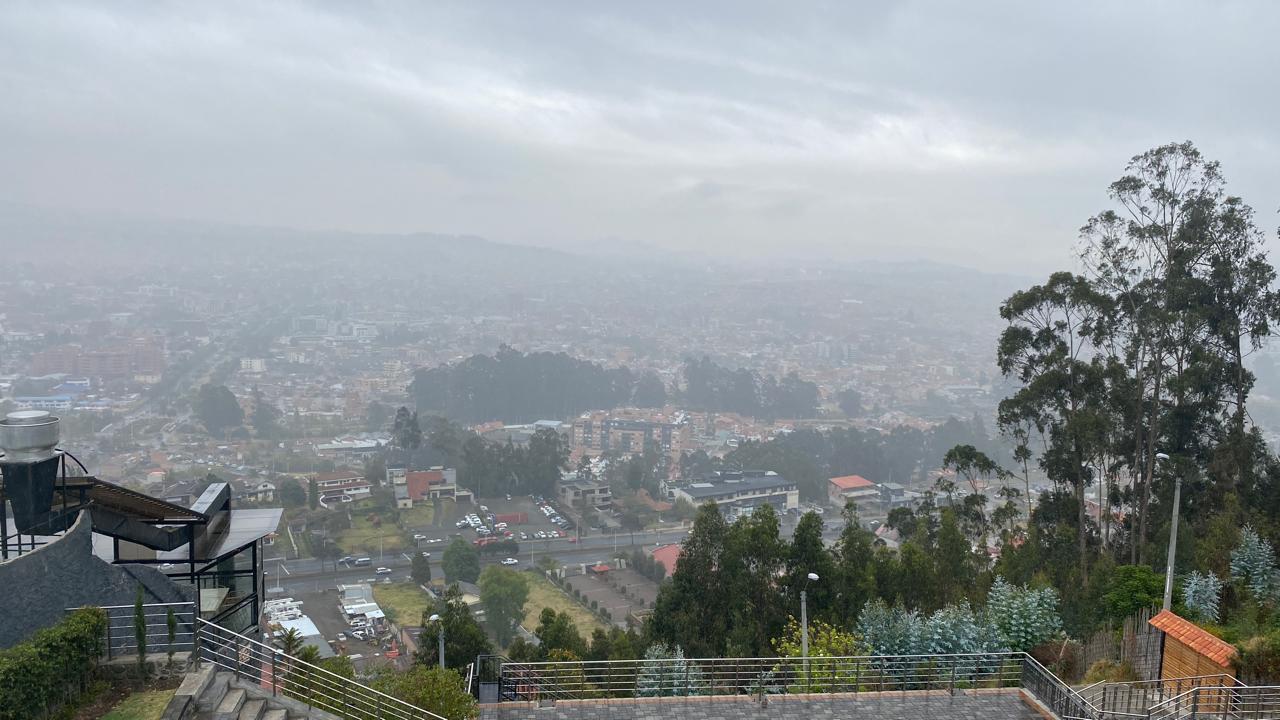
(851, 482)
(669, 556)
(1195, 637)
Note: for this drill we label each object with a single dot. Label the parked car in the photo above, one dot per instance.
(510, 561)
(341, 637)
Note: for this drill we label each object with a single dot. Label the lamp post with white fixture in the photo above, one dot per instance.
(1173, 537)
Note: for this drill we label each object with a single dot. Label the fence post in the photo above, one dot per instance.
(275, 677)
(952, 689)
(108, 612)
(1195, 703)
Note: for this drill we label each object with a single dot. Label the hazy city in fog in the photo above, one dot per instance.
(503, 360)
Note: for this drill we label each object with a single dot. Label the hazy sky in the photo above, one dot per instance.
(972, 132)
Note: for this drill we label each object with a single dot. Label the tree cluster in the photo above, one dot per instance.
(513, 386)
(810, 457)
(1133, 373)
(709, 386)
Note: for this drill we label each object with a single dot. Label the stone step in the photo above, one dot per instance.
(252, 709)
(276, 714)
(213, 694)
(230, 706)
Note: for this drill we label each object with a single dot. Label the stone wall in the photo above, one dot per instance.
(36, 588)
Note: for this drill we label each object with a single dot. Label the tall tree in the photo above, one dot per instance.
(464, 639)
(218, 409)
(461, 562)
(503, 592)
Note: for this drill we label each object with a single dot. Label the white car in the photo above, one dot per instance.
(383, 571)
(341, 637)
(510, 561)
(419, 536)
(426, 554)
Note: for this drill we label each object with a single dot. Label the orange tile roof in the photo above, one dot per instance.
(849, 482)
(1195, 637)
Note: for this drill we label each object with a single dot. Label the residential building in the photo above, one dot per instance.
(415, 486)
(581, 492)
(740, 493)
(334, 485)
(842, 489)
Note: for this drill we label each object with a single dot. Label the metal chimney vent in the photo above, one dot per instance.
(29, 466)
(28, 436)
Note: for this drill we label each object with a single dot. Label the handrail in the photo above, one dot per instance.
(312, 684)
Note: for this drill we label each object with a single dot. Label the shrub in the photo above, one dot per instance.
(1063, 658)
(52, 667)
(1109, 671)
(1258, 659)
(594, 605)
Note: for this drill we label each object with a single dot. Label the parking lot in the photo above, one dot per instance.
(601, 589)
(325, 611)
(537, 526)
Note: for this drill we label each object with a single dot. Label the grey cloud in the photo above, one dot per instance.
(982, 133)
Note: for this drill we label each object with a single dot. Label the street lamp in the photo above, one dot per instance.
(804, 619)
(440, 635)
(1173, 537)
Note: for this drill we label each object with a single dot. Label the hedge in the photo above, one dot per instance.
(52, 667)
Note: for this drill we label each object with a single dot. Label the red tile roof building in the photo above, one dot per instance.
(1190, 650)
(851, 487)
(669, 556)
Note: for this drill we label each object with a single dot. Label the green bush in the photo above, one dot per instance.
(1257, 660)
(1109, 671)
(51, 668)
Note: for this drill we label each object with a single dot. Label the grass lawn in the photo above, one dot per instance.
(141, 706)
(420, 515)
(403, 602)
(363, 537)
(542, 594)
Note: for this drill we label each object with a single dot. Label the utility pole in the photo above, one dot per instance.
(1173, 538)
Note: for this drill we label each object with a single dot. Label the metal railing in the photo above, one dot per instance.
(762, 678)
(1134, 699)
(1238, 702)
(122, 631)
(312, 685)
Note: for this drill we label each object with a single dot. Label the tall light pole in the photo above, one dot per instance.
(440, 636)
(804, 620)
(1173, 537)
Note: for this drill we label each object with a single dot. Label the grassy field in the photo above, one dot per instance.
(420, 515)
(542, 594)
(363, 537)
(141, 706)
(403, 603)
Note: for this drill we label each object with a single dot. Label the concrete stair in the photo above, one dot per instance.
(206, 694)
(253, 709)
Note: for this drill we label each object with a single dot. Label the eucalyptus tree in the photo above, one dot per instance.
(1051, 345)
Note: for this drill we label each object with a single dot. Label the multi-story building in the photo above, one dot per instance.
(740, 493)
(852, 487)
(581, 492)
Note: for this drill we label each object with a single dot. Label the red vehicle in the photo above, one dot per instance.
(573, 539)
(512, 518)
(485, 541)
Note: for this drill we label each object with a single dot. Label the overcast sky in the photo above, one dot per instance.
(971, 132)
